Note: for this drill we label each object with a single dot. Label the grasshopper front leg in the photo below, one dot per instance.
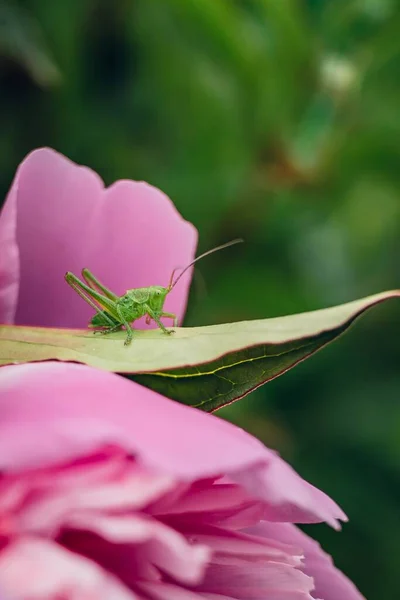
(167, 316)
(171, 316)
(156, 318)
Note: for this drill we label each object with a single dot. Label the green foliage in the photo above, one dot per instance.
(276, 121)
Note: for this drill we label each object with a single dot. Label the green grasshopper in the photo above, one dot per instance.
(114, 312)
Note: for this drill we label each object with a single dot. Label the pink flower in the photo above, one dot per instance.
(58, 217)
(110, 491)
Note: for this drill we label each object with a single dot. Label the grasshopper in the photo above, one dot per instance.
(114, 312)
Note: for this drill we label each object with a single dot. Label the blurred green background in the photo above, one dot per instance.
(273, 120)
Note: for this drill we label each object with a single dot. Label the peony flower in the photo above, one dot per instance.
(59, 217)
(110, 491)
(107, 489)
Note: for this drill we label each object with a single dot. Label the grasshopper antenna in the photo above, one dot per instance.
(172, 283)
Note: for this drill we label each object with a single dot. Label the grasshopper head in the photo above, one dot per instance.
(157, 295)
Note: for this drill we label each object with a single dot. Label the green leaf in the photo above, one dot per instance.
(206, 367)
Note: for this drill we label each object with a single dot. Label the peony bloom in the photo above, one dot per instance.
(111, 491)
(107, 489)
(59, 217)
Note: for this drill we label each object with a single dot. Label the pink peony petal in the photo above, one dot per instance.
(330, 583)
(161, 545)
(129, 562)
(129, 235)
(39, 569)
(288, 497)
(9, 260)
(168, 591)
(61, 494)
(247, 581)
(240, 545)
(203, 498)
(131, 491)
(81, 409)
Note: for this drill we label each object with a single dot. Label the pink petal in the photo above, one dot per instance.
(241, 545)
(203, 498)
(250, 581)
(129, 235)
(167, 591)
(128, 562)
(50, 572)
(9, 260)
(159, 544)
(225, 505)
(56, 412)
(51, 508)
(330, 583)
(60, 493)
(289, 498)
